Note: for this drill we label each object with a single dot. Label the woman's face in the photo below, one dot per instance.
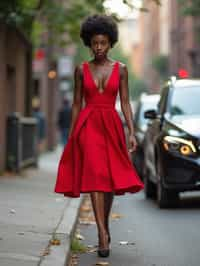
(100, 45)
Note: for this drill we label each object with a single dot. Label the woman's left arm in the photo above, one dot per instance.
(126, 107)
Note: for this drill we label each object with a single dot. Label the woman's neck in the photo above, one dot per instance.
(101, 61)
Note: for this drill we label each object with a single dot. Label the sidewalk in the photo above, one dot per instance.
(30, 212)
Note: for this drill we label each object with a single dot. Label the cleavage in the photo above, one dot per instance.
(101, 78)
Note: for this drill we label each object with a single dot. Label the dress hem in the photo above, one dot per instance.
(117, 192)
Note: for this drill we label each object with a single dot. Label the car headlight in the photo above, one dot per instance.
(176, 144)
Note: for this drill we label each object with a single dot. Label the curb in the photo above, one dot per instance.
(59, 254)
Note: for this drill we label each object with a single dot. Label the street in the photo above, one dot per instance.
(156, 237)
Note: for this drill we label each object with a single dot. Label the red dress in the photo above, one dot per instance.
(95, 157)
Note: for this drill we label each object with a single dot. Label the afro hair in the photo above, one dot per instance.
(99, 24)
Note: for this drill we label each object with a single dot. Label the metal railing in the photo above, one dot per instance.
(21, 142)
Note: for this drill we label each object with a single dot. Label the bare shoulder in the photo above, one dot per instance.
(123, 69)
(78, 70)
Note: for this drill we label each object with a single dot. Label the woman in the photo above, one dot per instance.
(96, 159)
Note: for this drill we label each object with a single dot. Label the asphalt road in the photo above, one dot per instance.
(169, 237)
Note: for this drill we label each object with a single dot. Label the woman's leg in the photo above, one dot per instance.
(108, 200)
(98, 202)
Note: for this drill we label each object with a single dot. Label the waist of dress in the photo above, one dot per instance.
(101, 105)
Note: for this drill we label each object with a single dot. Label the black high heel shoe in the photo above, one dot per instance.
(104, 252)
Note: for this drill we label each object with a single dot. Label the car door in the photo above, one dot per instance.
(153, 133)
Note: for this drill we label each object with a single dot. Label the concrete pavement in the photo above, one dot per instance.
(148, 236)
(31, 214)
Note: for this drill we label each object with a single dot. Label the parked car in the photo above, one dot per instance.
(119, 110)
(145, 102)
(172, 143)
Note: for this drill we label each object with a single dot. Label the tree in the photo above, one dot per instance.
(191, 8)
(19, 13)
(56, 15)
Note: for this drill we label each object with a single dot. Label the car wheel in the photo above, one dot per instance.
(165, 197)
(149, 187)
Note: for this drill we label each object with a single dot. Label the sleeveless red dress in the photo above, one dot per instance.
(95, 157)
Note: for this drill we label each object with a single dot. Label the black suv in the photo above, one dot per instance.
(172, 143)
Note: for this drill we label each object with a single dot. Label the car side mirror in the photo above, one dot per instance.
(150, 114)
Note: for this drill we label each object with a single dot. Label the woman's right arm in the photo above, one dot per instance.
(77, 97)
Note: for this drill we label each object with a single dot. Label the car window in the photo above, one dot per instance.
(185, 101)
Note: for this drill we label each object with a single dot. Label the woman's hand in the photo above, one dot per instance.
(132, 143)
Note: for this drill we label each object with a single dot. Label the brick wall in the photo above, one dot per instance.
(13, 69)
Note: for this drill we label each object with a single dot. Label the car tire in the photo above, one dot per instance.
(149, 187)
(165, 197)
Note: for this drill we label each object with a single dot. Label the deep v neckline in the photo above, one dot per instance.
(107, 81)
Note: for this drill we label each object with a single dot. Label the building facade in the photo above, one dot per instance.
(150, 44)
(185, 48)
(14, 80)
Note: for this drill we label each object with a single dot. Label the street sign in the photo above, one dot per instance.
(65, 66)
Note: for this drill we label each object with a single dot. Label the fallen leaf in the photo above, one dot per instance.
(87, 221)
(74, 256)
(46, 253)
(55, 241)
(87, 216)
(73, 260)
(116, 216)
(86, 208)
(91, 249)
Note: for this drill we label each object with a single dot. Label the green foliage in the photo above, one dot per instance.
(53, 15)
(191, 8)
(77, 246)
(61, 19)
(19, 13)
(37, 31)
(161, 65)
(82, 53)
